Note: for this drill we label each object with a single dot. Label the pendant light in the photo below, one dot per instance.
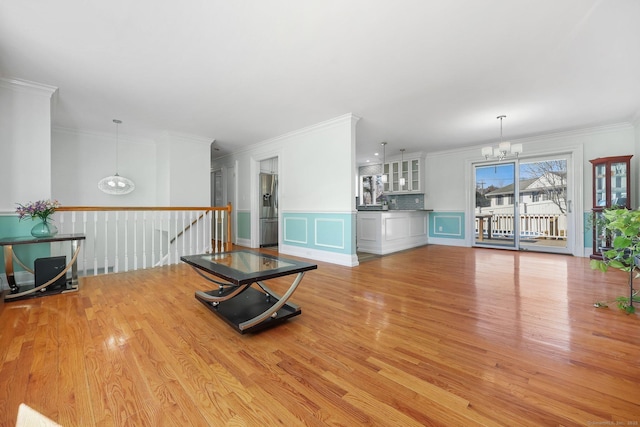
(504, 148)
(116, 184)
(384, 177)
(402, 180)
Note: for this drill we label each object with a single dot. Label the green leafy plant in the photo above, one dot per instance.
(624, 226)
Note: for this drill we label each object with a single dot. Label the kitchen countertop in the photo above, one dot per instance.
(395, 210)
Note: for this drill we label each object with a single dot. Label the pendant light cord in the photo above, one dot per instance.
(117, 122)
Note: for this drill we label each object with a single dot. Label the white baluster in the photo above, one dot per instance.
(168, 256)
(144, 239)
(106, 240)
(95, 243)
(116, 265)
(60, 218)
(135, 240)
(126, 241)
(84, 244)
(153, 239)
(175, 233)
(191, 233)
(221, 217)
(183, 238)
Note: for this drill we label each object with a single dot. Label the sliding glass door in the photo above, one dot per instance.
(545, 206)
(495, 207)
(524, 204)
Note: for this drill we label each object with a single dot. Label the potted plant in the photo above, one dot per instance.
(624, 226)
(384, 202)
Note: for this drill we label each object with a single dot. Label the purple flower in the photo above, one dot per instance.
(42, 209)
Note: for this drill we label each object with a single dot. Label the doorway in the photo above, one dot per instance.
(217, 188)
(524, 204)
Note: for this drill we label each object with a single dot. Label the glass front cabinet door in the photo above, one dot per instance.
(611, 187)
(385, 171)
(415, 175)
(407, 169)
(395, 176)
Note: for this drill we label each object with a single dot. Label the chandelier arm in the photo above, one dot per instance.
(504, 149)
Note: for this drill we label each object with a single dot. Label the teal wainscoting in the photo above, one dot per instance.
(10, 226)
(588, 231)
(320, 231)
(447, 225)
(243, 220)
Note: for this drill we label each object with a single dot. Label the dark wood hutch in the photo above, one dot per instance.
(611, 187)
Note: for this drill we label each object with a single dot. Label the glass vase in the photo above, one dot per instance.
(44, 229)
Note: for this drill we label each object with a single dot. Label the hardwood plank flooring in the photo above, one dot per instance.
(430, 336)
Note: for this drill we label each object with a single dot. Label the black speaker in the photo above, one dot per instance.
(46, 269)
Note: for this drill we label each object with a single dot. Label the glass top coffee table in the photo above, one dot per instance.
(247, 308)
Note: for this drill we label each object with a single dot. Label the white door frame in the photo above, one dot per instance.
(575, 194)
(255, 192)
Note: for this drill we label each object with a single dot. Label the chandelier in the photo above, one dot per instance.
(504, 149)
(116, 184)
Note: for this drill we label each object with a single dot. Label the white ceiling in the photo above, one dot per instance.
(423, 75)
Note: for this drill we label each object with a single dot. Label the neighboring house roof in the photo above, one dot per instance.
(508, 189)
(527, 186)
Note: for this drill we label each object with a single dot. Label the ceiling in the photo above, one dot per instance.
(423, 75)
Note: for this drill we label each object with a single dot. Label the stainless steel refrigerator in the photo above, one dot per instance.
(268, 209)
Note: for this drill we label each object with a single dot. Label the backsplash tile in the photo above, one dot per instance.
(402, 202)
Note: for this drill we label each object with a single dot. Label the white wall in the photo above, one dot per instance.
(25, 142)
(189, 170)
(447, 176)
(170, 171)
(82, 158)
(316, 166)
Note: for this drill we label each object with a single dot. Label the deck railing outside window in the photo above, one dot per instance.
(549, 226)
(133, 238)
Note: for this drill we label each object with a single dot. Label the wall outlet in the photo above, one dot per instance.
(417, 200)
(393, 201)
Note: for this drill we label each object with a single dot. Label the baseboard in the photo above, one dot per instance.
(447, 242)
(324, 256)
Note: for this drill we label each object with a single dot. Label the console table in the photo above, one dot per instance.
(9, 257)
(242, 306)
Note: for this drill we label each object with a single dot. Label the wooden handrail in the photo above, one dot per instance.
(143, 208)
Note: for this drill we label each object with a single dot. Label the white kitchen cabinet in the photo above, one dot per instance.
(384, 232)
(395, 176)
(409, 170)
(386, 171)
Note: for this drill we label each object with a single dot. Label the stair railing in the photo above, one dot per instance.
(125, 238)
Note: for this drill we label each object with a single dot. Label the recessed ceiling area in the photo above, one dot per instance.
(423, 75)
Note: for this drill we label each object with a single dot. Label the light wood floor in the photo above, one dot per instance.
(431, 336)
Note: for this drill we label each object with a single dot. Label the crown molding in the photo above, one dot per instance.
(340, 120)
(27, 86)
(322, 125)
(544, 137)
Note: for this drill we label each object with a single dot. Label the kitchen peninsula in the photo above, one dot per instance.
(382, 232)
